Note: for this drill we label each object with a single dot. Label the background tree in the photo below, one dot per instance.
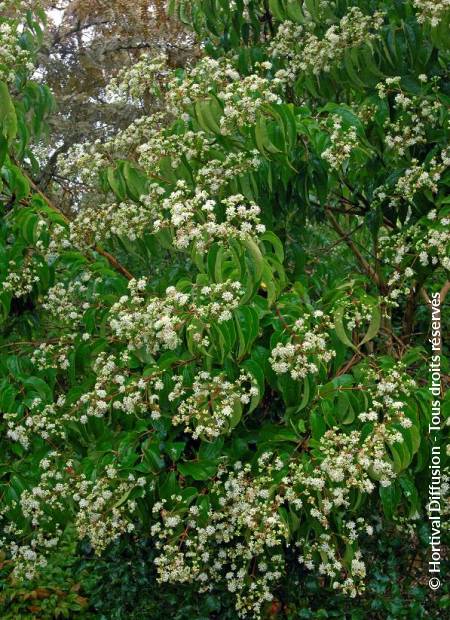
(86, 44)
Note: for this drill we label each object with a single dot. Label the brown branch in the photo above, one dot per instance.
(354, 360)
(442, 295)
(410, 310)
(360, 258)
(282, 320)
(444, 290)
(425, 297)
(115, 264)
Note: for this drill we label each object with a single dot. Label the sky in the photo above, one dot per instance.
(55, 15)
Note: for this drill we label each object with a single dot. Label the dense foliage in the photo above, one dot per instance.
(219, 364)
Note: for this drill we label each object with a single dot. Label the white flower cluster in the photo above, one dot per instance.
(427, 242)
(68, 303)
(242, 97)
(418, 177)
(305, 52)
(157, 323)
(139, 80)
(102, 507)
(159, 144)
(28, 551)
(343, 142)
(49, 355)
(305, 349)
(84, 161)
(21, 277)
(194, 214)
(115, 389)
(148, 142)
(195, 219)
(199, 83)
(387, 395)
(216, 301)
(145, 141)
(240, 543)
(413, 116)
(431, 11)
(216, 174)
(238, 538)
(214, 405)
(93, 225)
(45, 421)
(12, 55)
(28, 557)
(331, 565)
(356, 312)
(347, 462)
(243, 100)
(57, 242)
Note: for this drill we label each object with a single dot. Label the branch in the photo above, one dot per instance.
(48, 171)
(109, 257)
(444, 290)
(354, 360)
(442, 295)
(410, 309)
(360, 258)
(79, 27)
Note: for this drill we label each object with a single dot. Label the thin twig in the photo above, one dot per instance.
(109, 257)
(360, 258)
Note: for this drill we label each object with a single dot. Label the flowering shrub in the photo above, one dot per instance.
(183, 359)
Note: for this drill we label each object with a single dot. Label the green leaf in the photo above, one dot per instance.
(7, 398)
(247, 325)
(208, 113)
(390, 498)
(122, 499)
(257, 373)
(17, 181)
(136, 181)
(277, 9)
(347, 115)
(338, 319)
(410, 493)
(263, 141)
(276, 244)
(306, 393)
(8, 117)
(152, 455)
(374, 325)
(210, 450)
(174, 449)
(40, 387)
(318, 426)
(203, 470)
(116, 182)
